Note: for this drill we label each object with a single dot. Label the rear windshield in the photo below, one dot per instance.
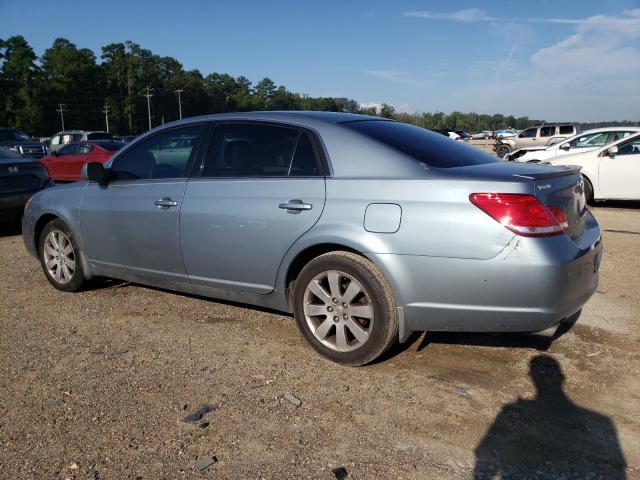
(99, 136)
(427, 147)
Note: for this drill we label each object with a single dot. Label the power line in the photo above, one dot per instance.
(179, 91)
(61, 109)
(149, 94)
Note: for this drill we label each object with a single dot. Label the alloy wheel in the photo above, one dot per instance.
(59, 256)
(338, 311)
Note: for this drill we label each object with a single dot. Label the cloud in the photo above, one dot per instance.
(477, 15)
(398, 77)
(593, 73)
(403, 108)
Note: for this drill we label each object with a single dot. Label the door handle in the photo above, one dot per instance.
(166, 202)
(295, 206)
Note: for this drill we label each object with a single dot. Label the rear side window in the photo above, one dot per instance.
(165, 155)
(547, 131)
(427, 147)
(566, 129)
(99, 136)
(256, 150)
(621, 135)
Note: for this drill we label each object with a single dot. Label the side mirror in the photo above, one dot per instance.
(612, 151)
(566, 146)
(94, 172)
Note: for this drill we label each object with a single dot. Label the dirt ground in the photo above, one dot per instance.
(97, 384)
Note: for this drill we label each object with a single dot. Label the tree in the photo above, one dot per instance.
(19, 85)
(387, 111)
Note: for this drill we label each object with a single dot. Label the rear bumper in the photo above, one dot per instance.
(531, 285)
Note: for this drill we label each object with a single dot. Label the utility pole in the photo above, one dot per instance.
(149, 94)
(61, 110)
(179, 91)
(106, 115)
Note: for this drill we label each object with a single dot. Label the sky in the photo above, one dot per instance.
(554, 60)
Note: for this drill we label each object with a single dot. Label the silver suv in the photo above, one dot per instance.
(538, 135)
(65, 137)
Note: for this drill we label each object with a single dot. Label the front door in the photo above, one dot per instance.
(130, 225)
(260, 188)
(620, 174)
(528, 138)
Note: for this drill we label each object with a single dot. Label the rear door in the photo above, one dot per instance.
(620, 174)
(260, 188)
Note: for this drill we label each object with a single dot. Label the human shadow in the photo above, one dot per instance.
(549, 436)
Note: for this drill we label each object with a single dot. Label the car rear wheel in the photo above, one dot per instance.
(588, 190)
(345, 308)
(60, 257)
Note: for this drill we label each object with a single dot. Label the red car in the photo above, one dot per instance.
(65, 165)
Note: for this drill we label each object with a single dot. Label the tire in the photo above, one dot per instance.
(588, 190)
(60, 257)
(502, 150)
(338, 283)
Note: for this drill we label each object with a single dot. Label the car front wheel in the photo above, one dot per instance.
(345, 308)
(60, 257)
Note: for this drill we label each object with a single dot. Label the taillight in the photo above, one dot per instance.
(522, 214)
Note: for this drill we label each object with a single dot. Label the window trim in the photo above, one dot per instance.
(316, 142)
(193, 158)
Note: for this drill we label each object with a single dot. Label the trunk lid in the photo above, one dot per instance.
(564, 190)
(554, 186)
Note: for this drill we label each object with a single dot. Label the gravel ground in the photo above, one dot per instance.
(97, 385)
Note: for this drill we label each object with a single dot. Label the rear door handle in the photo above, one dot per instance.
(295, 206)
(166, 202)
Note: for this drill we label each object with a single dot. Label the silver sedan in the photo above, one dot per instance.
(365, 229)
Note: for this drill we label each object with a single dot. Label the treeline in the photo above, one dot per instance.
(35, 92)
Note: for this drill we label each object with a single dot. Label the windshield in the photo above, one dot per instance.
(423, 145)
(21, 135)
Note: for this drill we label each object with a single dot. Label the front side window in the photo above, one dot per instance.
(66, 138)
(68, 149)
(99, 136)
(529, 133)
(591, 140)
(167, 154)
(426, 147)
(84, 149)
(256, 150)
(630, 148)
(547, 131)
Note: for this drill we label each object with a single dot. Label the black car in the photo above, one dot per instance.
(22, 143)
(20, 178)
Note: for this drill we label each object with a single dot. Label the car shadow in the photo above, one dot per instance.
(537, 341)
(549, 436)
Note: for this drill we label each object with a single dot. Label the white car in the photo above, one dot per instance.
(611, 172)
(583, 142)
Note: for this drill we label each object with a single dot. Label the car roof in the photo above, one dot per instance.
(611, 129)
(295, 116)
(99, 142)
